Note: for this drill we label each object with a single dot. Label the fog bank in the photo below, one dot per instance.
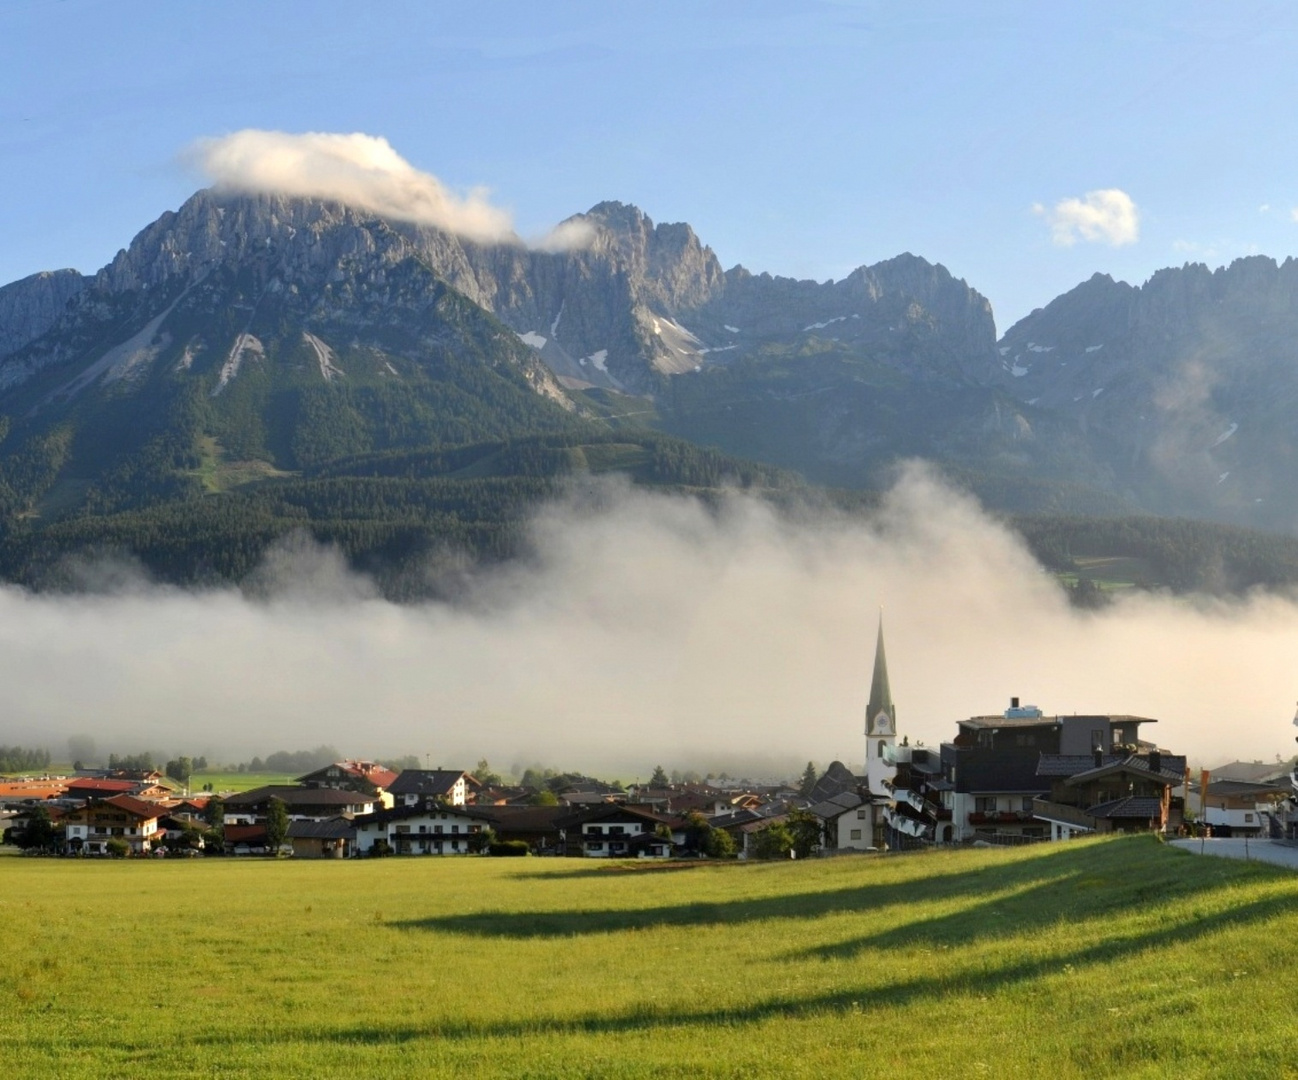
(643, 629)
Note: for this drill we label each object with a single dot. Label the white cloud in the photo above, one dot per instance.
(1265, 208)
(1293, 214)
(645, 628)
(571, 235)
(1106, 216)
(357, 169)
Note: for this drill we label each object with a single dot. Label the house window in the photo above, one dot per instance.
(455, 828)
(1025, 738)
(985, 804)
(423, 828)
(1027, 804)
(616, 830)
(596, 845)
(881, 748)
(855, 834)
(860, 815)
(1248, 818)
(595, 830)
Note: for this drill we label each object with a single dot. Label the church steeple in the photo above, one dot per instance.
(880, 692)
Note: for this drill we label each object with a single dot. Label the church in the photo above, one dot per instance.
(854, 810)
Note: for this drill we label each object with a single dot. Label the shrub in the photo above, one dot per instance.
(118, 848)
(508, 848)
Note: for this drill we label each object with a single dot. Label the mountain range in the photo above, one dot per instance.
(254, 363)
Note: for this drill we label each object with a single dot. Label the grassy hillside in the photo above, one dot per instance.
(1103, 958)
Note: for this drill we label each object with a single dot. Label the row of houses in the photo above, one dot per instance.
(1017, 776)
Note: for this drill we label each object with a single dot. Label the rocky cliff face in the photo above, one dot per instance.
(1188, 384)
(32, 306)
(626, 305)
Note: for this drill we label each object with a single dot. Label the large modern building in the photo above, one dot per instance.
(1021, 775)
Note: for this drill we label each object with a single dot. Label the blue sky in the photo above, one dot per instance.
(800, 138)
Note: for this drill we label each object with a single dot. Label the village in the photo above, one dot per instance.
(1016, 777)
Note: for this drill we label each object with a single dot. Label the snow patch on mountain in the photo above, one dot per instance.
(822, 325)
(1094, 348)
(537, 341)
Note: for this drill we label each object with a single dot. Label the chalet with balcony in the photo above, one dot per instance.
(302, 803)
(89, 828)
(414, 787)
(366, 777)
(1241, 808)
(625, 831)
(433, 829)
(1110, 792)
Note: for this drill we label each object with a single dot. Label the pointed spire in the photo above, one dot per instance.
(880, 691)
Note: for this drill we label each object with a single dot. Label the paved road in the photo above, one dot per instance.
(1261, 850)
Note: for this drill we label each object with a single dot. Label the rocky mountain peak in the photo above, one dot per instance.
(31, 306)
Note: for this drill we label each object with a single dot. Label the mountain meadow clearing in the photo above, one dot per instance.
(1118, 957)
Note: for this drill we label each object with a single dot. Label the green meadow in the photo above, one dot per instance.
(1098, 958)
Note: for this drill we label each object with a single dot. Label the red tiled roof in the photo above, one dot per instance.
(93, 784)
(32, 789)
(138, 807)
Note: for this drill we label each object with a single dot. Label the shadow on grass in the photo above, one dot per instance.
(614, 869)
(1098, 888)
(929, 988)
(1062, 878)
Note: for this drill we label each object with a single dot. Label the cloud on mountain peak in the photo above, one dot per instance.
(357, 169)
(1106, 216)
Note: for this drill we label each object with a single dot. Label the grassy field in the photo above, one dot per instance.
(237, 781)
(1099, 958)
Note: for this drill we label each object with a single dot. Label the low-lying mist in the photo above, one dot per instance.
(646, 629)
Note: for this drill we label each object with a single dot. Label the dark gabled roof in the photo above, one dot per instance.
(1141, 809)
(734, 819)
(1255, 772)
(837, 806)
(403, 813)
(1238, 788)
(522, 819)
(244, 834)
(333, 829)
(1064, 764)
(298, 796)
(836, 779)
(613, 810)
(429, 781)
(1171, 769)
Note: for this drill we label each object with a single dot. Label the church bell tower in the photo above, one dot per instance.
(880, 724)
